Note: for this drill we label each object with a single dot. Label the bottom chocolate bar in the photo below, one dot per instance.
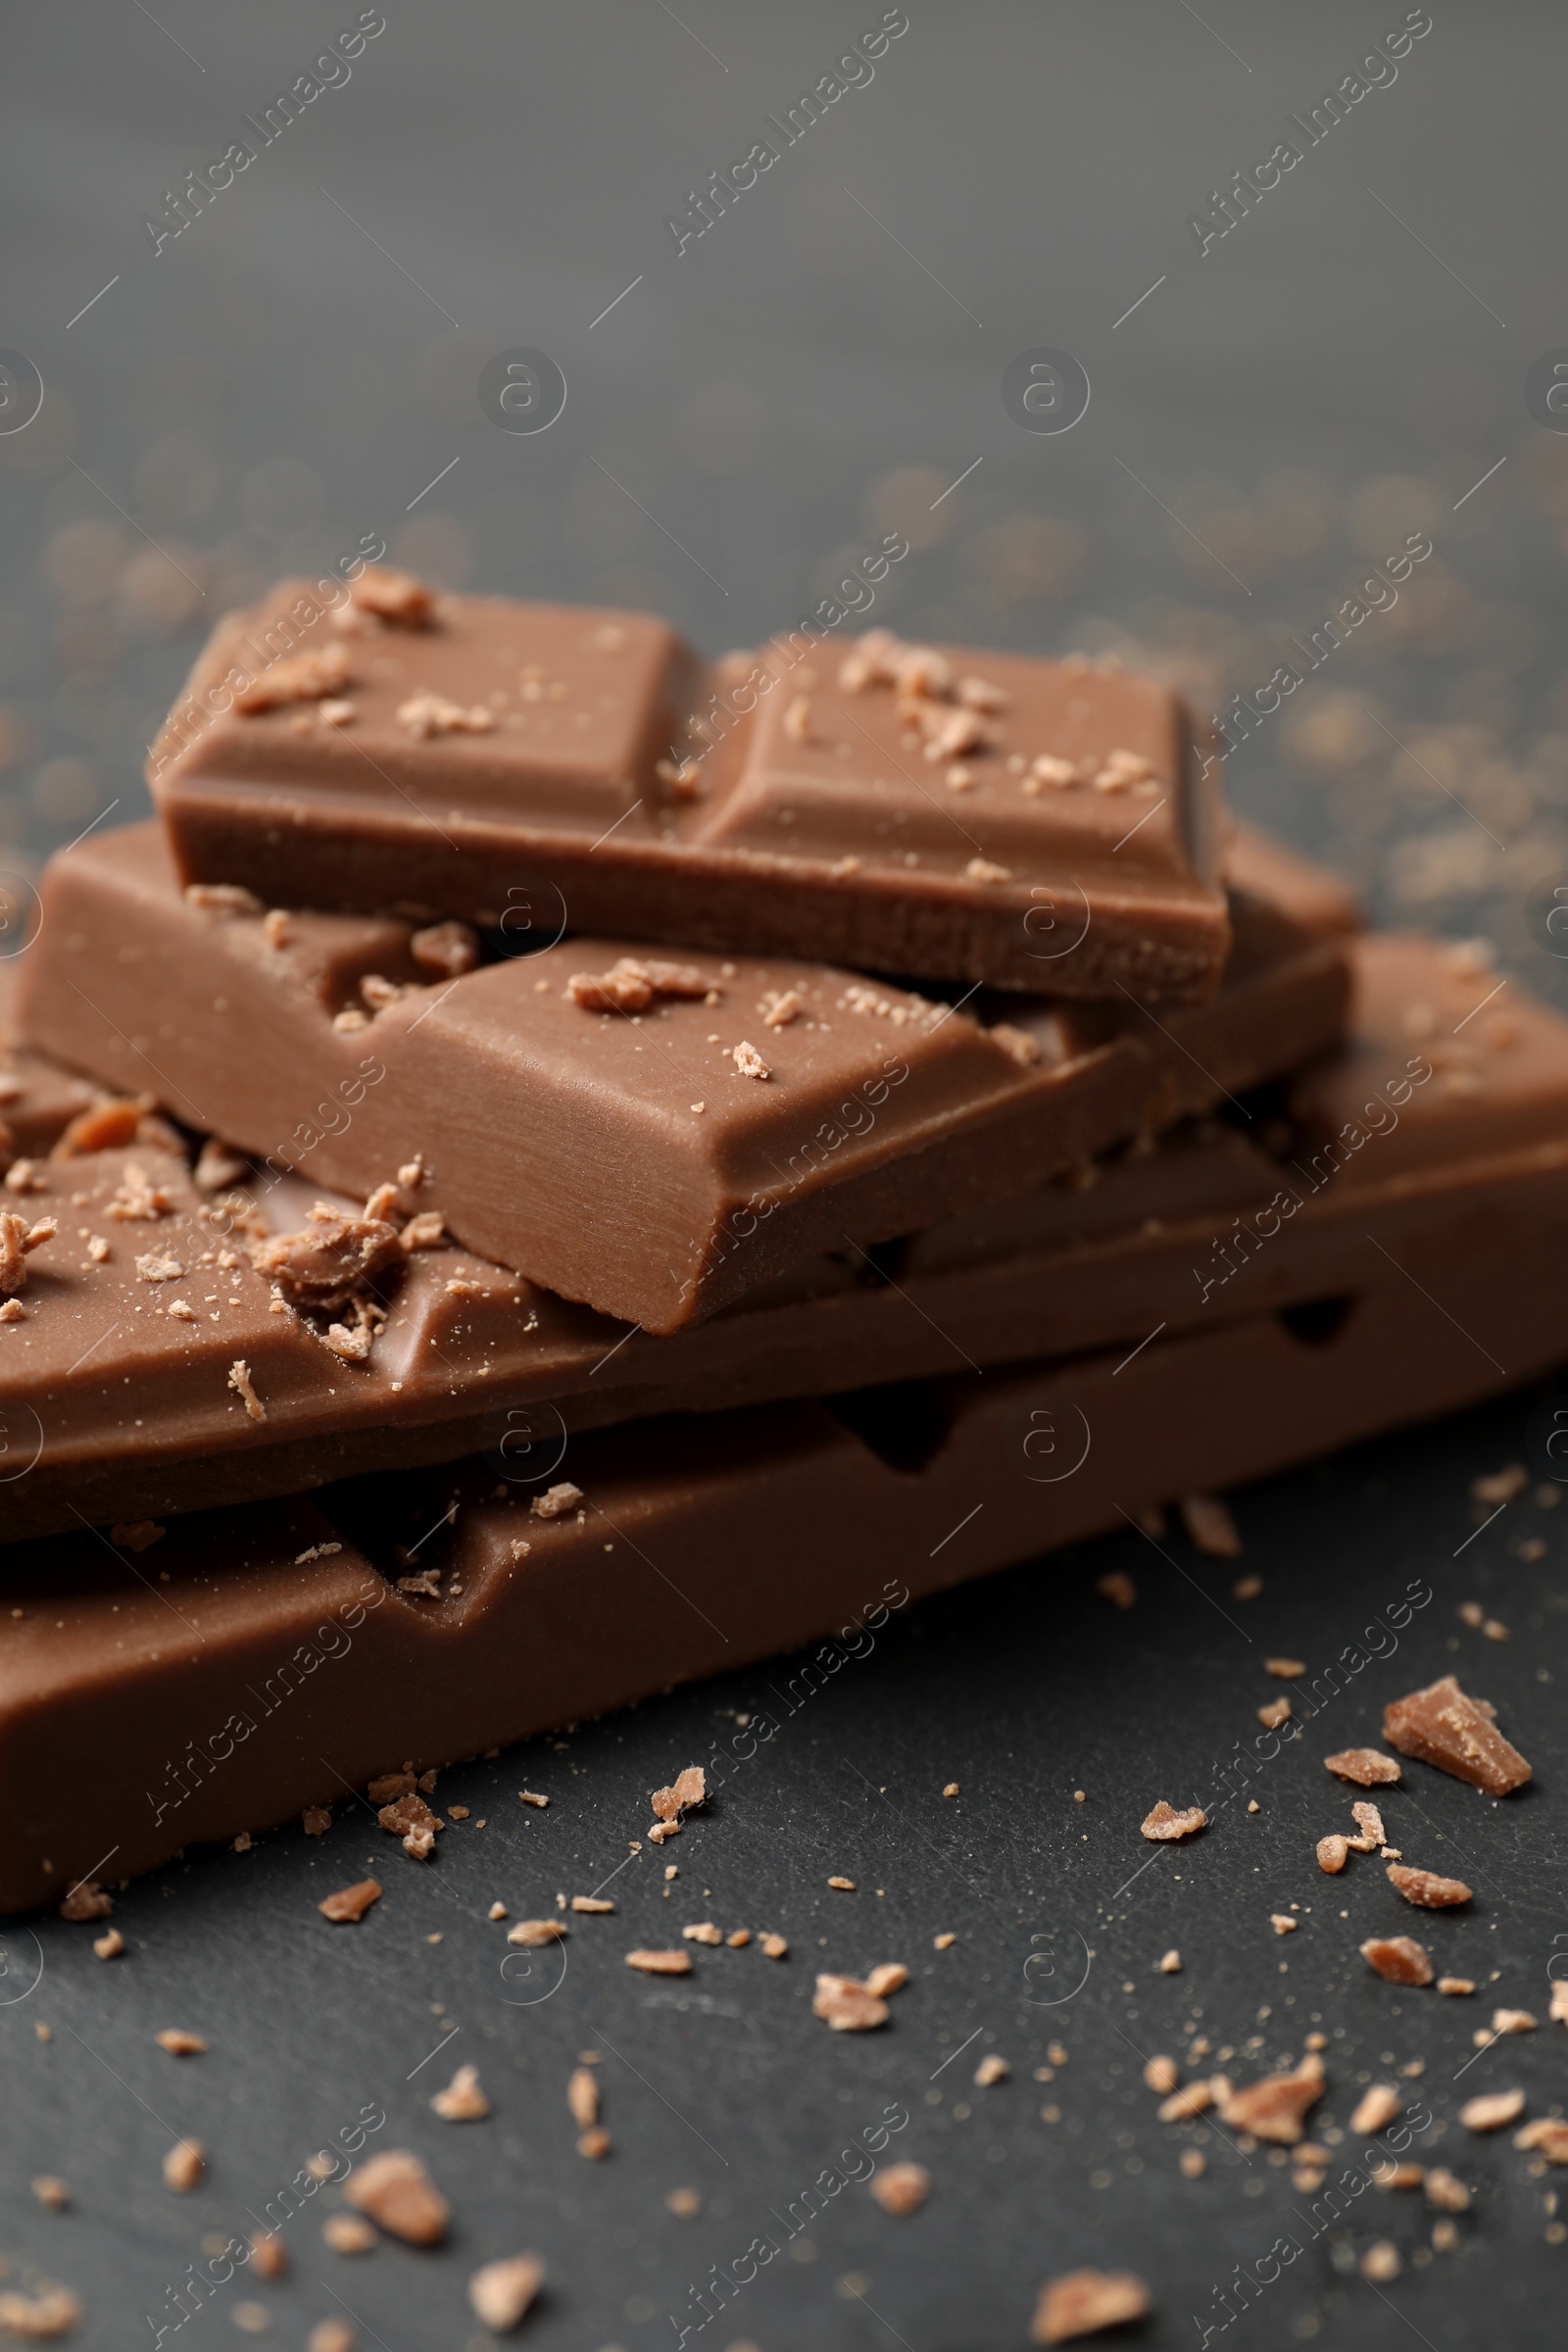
(247, 1663)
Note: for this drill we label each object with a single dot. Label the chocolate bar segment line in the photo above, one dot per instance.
(925, 811)
(302, 1649)
(654, 1164)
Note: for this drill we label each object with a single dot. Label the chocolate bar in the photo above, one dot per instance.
(949, 814)
(651, 1138)
(119, 1361)
(250, 1662)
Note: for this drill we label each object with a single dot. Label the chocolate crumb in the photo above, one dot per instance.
(51, 2311)
(1210, 1528)
(1276, 1712)
(594, 2143)
(301, 678)
(347, 2234)
(688, 1790)
(1276, 2107)
(891, 1976)
(1424, 1887)
(1445, 2191)
(704, 1931)
(1163, 1823)
(1083, 2302)
(592, 1902)
(749, 1061)
(51, 2191)
(110, 1945)
(397, 2193)
(1456, 1985)
(990, 2070)
(86, 1901)
(316, 1819)
(1286, 1670)
(1363, 1765)
(1369, 1821)
(1399, 1958)
(533, 1934)
(1491, 2110)
(1182, 2105)
(350, 1903)
(844, 1885)
(661, 1964)
(1161, 2076)
(1376, 2108)
(1282, 1922)
(502, 2293)
(556, 1502)
(582, 2097)
(901, 2188)
(332, 2335)
(184, 2166)
(1117, 1587)
(848, 2006)
(775, 1947)
(1332, 1853)
(1170, 1963)
(684, 2203)
(461, 2101)
(1382, 2262)
(239, 1380)
(181, 2044)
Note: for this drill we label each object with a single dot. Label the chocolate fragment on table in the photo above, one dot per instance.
(671, 1163)
(1444, 1726)
(293, 1644)
(958, 815)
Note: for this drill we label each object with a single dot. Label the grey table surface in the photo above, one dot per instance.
(1273, 409)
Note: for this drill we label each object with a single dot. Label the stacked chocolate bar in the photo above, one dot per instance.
(554, 1170)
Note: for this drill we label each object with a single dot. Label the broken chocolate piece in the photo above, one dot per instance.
(1399, 1958)
(1084, 2302)
(1365, 1766)
(1163, 1823)
(1444, 1726)
(1276, 2107)
(1427, 1888)
(400, 2197)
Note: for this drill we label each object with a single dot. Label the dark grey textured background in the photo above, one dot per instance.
(290, 373)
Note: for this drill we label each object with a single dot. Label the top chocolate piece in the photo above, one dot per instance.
(1037, 825)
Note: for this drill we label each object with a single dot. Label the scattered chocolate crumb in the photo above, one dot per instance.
(1117, 1587)
(1456, 1985)
(51, 2311)
(844, 1885)
(301, 678)
(1286, 1670)
(86, 1901)
(328, 1264)
(181, 2044)
(1491, 2110)
(424, 714)
(1276, 1712)
(891, 1976)
(1376, 2108)
(1401, 2176)
(1399, 1958)
(661, 1964)
(1083, 2302)
(1444, 1726)
(502, 2293)
(1445, 2191)
(388, 1787)
(1424, 1887)
(533, 1934)
(239, 1380)
(350, 1902)
(1170, 1963)
(1161, 2076)
(332, 2335)
(594, 2143)
(983, 869)
(461, 2101)
(1382, 2262)
(184, 2166)
(704, 1931)
(269, 2254)
(775, 1947)
(1501, 1486)
(444, 952)
(110, 1945)
(1192, 2164)
(749, 1061)
(582, 2097)
(1547, 2137)
(1282, 1922)
(1210, 1528)
(51, 2191)
(1247, 1588)
(393, 596)
(738, 1940)
(1513, 2020)
(684, 2203)
(990, 2070)
(348, 2234)
(556, 1502)
(950, 1789)
(1332, 1853)
(1276, 2107)
(1363, 1765)
(531, 1796)
(397, 2193)
(901, 2188)
(1163, 1825)
(316, 1819)
(1369, 1821)
(592, 1902)
(1193, 2100)
(846, 2005)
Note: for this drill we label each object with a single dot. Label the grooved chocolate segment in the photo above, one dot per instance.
(950, 814)
(674, 1158)
(125, 1386)
(280, 1639)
